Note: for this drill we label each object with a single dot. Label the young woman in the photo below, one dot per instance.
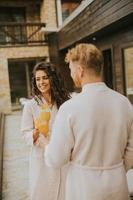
(37, 120)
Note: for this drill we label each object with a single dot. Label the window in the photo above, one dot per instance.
(68, 7)
(65, 14)
(128, 63)
(20, 73)
(11, 14)
(20, 77)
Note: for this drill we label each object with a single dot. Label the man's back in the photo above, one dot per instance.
(101, 119)
(93, 132)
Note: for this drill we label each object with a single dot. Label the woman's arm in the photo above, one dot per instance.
(29, 132)
(27, 125)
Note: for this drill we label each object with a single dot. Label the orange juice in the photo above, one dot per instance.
(45, 116)
(44, 128)
(42, 122)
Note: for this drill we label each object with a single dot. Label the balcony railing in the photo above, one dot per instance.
(21, 33)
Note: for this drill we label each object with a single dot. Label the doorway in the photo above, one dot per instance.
(108, 68)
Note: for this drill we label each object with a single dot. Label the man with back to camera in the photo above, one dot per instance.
(93, 131)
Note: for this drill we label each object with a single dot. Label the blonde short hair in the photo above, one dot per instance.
(88, 55)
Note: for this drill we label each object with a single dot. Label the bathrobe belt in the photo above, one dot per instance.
(85, 167)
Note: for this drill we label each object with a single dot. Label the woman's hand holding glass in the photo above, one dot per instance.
(42, 122)
(35, 135)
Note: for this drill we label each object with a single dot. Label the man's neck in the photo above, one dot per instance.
(91, 80)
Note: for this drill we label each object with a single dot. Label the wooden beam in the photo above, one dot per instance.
(97, 16)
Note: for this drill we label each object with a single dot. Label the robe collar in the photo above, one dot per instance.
(99, 86)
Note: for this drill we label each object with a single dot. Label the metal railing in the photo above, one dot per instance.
(21, 33)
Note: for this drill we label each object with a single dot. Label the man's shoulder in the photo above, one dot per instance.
(120, 96)
(71, 103)
(116, 93)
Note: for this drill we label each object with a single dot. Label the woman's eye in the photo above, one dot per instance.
(45, 77)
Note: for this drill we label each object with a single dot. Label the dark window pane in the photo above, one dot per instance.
(7, 33)
(108, 68)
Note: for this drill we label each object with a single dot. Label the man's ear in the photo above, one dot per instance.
(81, 70)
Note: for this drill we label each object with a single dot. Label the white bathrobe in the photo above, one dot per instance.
(44, 181)
(94, 133)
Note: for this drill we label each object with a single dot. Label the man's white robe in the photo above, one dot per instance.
(94, 133)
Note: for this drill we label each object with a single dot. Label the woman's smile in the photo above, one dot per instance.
(42, 82)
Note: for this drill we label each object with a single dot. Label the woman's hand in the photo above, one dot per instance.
(42, 141)
(35, 135)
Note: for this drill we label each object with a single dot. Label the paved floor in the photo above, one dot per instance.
(15, 172)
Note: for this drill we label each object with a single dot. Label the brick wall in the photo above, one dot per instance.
(5, 102)
(24, 52)
(32, 9)
(48, 13)
(44, 11)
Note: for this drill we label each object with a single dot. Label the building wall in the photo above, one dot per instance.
(5, 101)
(44, 10)
(48, 13)
(128, 54)
(58, 59)
(32, 8)
(109, 25)
(68, 8)
(15, 53)
(117, 41)
(24, 52)
(36, 11)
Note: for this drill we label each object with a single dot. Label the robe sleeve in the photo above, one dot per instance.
(128, 157)
(27, 124)
(27, 127)
(58, 151)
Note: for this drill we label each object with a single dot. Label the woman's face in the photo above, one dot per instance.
(42, 82)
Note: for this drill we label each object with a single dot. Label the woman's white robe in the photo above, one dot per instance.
(94, 133)
(44, 181)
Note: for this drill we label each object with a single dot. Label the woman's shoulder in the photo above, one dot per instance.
(30, 102)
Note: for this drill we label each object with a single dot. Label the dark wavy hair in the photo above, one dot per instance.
(59, 93)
